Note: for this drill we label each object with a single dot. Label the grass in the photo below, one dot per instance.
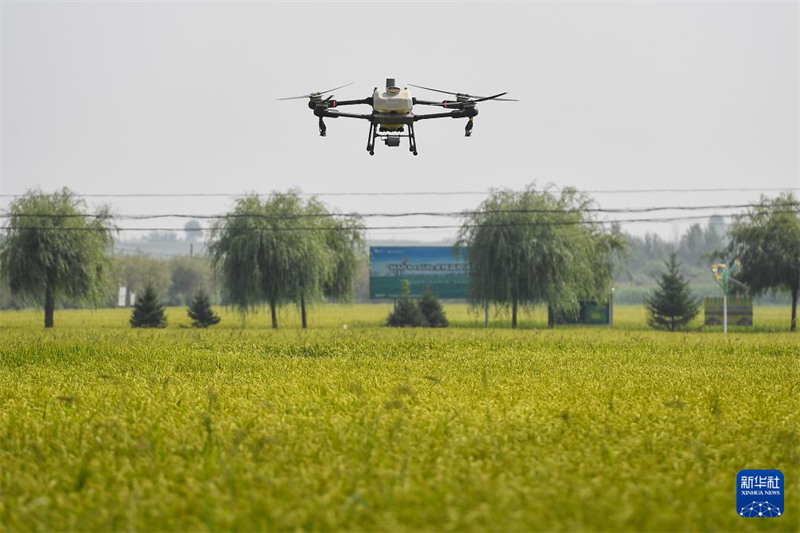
(238, 427)
(331, 316)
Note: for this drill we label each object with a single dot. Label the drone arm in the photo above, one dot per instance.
(330, 102)
(457, 113)
(350, 115)
(339, 103)
(333, 113)
(451, 114)
(445, 104)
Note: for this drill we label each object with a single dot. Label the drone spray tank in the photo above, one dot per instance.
(392, 100)
(390, 104)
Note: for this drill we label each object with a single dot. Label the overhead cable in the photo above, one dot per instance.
(403, 214)
(413, 193)
(371, 228)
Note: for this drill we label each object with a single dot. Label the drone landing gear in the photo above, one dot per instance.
(373, 132)
(391, 140)
(412, 139)
(322, 128)
(468, 128)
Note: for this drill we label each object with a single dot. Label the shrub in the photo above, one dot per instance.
(200, 311)
(671, 305)
(406, 313)
(148, 312)
(431, 309)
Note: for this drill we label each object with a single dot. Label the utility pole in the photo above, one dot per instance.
(723, 275)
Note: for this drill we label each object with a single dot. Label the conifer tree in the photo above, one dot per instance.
(406, 311)
(148, 312)
(431, 309)
(671, 305)
(200, 311)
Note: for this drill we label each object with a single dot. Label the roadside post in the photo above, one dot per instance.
(723, 275)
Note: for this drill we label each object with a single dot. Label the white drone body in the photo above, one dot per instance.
(392, 111)
(391, 101)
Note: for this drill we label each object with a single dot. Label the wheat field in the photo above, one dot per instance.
(366, 428)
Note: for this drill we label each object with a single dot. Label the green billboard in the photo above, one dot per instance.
(740, 310)
(590, 312)
(443, 269)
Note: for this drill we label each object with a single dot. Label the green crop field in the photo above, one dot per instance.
(241, 428)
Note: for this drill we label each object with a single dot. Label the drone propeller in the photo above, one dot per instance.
(468, 97)
(313, 95)
(495, 97)
(461, 104)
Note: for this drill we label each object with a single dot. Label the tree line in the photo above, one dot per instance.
(526, 247)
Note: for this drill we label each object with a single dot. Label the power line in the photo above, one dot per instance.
(375, 228)
(412, 193)
(399, 215)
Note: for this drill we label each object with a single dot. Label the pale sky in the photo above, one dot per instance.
(180, 97)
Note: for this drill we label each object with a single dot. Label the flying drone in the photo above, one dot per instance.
(392, 111)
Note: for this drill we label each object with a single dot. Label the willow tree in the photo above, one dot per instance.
(308, 253)
(533, 247)
(766, 240)
(279, 251)
(345, 239)
(54, 249)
